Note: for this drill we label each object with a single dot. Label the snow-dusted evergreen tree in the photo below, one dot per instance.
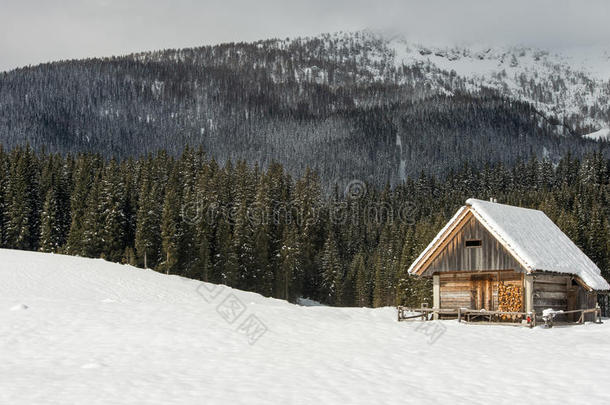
(190, 164)
(263, 227)
(306, 212)
(386, 268)
(225, 260)
(171, 224)
(113, 212)
(597, 240)
(243, 233)
(148, 224)
(202, 209)
(289, 274)
(92, 240)
(51, 234)
(203, 267)
(85, 172)
(381, 282)
(23, 201)
(405, 288)
(332, 269)
(243, 244)
(363, 280)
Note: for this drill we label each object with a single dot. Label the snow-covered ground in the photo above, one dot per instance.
(75, 331)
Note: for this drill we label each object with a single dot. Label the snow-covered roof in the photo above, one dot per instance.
(533, 239)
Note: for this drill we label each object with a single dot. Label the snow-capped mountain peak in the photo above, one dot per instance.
(569, 85)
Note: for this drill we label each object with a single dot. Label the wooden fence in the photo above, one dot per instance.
(495, 317)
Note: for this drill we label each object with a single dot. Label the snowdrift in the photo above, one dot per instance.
(76, 330)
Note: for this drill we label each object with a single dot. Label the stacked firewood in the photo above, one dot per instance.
(510, 299)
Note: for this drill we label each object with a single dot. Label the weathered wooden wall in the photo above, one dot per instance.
(456, 291)
(587, 300)
(551, 291)
(560, 292)
(474, 290)
(478, 290)
(455, 256)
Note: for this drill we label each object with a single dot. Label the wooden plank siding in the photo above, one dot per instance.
(455, 256)
(479, 290)
(562, 292)
(551, 291)
(586, 300)
(456, 291)
(475, 290)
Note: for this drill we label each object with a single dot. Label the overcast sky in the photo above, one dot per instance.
(34, 31)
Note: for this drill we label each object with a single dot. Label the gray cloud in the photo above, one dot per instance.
(34, 31)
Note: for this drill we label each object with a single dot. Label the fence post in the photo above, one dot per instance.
(598, 313)
(436, 292)
(529, 292)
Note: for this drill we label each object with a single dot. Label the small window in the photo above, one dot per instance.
(474, 243)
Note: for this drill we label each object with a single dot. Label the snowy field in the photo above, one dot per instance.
(82, 331)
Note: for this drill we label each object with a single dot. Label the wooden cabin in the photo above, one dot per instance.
(499, 257)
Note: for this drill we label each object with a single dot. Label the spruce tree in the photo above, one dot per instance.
(171, 225)
(51, 234)
(23, 201)
(243, 246)
(92, 242)
(289, 274)
(86, 167)
(332, 270)
(113, 213)
(148, 223)
(363, 284)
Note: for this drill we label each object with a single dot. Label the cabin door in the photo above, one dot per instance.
(483, 292)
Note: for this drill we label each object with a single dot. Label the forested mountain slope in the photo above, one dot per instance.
(353, 105)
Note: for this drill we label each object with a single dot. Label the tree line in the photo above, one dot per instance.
(260, 229)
